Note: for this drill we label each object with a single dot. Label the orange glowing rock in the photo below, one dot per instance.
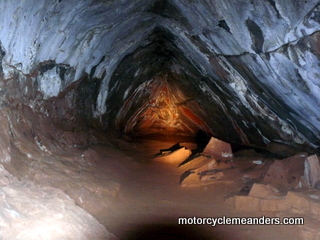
(159, 107)
(177, 156)
(200, 163)
(189, 145)
(218, 149)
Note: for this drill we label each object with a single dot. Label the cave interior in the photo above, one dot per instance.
(108, 109)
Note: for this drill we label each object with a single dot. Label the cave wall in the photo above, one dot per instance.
(248, 71)
(87, 37)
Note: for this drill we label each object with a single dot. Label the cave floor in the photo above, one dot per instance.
(150, 200)
(134, 197)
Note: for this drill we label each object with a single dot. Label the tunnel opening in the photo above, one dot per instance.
(152, 96)
(155, 92)
(141, 112)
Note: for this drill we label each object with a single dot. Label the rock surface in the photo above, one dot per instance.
(43, 213)
(264, 191)
(218, 149)
(175, 157)
(247, 75)
(257, 77)
(286, 174)
(202, 170)
(312, 171)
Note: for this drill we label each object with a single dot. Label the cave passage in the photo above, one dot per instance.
(107, 107)
(154, 92)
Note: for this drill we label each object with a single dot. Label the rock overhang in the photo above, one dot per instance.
(252, 66)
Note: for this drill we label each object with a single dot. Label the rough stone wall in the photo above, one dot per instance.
(257, 61)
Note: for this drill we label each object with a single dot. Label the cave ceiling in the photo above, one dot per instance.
(243, 71)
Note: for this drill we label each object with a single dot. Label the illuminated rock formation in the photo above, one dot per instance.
(244, 72)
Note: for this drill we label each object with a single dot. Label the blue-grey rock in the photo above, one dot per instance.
(247, 71)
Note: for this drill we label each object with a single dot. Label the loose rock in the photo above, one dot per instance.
(312, 171)
(177, 156)
(264, 191)
(285, 174)
(218, 149)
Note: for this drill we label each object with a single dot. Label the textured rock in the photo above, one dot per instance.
(273, 205)
(43, 212)
(218, 149)
(176, 157)
(234, 74)
(211, 178)
(263, 191)
(286, 174)
(304, 203)
(192, 180)
(201, 163)
(261, 198)
(189, 145)
(246, 72)
(202, 170)
(312, 171)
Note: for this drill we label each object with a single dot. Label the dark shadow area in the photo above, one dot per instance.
(171, 149)
(185, 175)
(202, 139)
(169, 232)
(162, 138)
(177, 146)
(168, 150)
(275, 153)
(194, 155)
